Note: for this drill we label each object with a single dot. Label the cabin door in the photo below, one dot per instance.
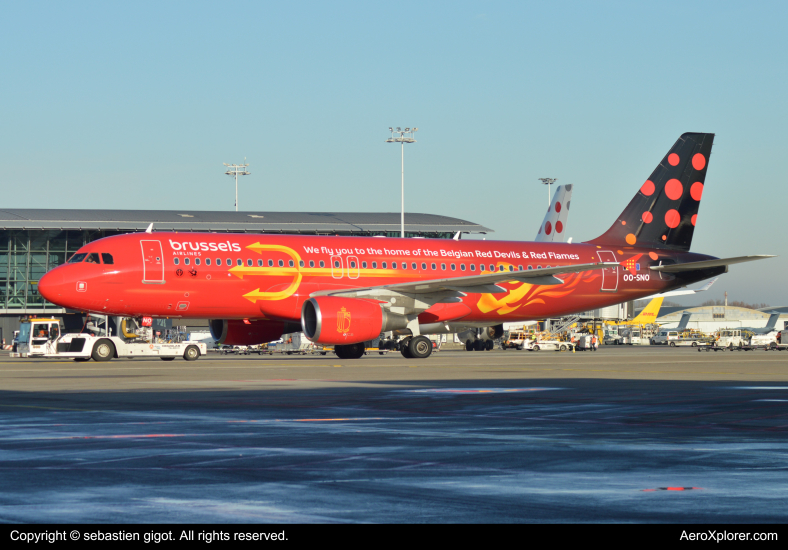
(609, 274)
(152, 262)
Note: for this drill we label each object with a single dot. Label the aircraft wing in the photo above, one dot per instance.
(473, 284)
(695, 266)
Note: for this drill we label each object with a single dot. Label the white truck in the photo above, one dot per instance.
(42, 338)
(548, 344)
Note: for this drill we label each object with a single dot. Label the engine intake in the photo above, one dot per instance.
(339, 321)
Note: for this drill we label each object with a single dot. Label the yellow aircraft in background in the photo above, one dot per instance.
(649, 314)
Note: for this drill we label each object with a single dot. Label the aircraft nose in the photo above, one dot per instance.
(51, 284)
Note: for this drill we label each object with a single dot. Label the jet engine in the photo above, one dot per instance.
(339, 321)
(491, 333)
(235, 332)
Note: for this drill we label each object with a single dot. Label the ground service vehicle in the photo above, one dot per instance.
(343, 291)
(42, 338)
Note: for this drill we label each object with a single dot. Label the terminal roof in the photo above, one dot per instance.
(248, 222)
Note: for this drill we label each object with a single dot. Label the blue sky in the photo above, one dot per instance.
(137, 105)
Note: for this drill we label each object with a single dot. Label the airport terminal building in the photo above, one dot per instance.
(33, 241)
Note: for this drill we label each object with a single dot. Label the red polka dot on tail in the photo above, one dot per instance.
(694, 218)
(673, 159)
(548, 228)
(559, 227)
(647, 217)
(674, 189)
(696, 190)
(664, 237)
(653, 255)
(672, 218)
(698, 162)
(557, 206)
(647, 188)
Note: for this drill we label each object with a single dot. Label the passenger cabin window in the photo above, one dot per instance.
(107, 258)
(249, 263)
(404, 265)
(443, 267)
(301, 263)
(229, 261)
(93, 258)
(259, 263)
(413, 265)
(453, 267)
(374, 265)
(186, 261)
(363, 265)
(76, 258)
(176, 261)
(270, 263)
(322, 263)
(207, 261)
(311, 263)
(239, 261)
(462, 267)
(196, 261)
(424, 267)
(432, 266)
(385, 265)
(218, 261)
(290, 263)
(473, 267)
(336, 263)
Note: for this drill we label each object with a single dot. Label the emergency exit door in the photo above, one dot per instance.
(609, 274)
(152, 262)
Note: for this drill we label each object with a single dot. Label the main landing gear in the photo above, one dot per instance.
(351, 351)
(417, 347)
(479, 345)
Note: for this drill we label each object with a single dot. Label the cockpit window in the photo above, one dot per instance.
(93, 258)
(76, 258)
(107, 258)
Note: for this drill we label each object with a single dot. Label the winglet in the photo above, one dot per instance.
(150, 229)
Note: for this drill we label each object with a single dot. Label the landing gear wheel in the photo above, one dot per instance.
(103, 350)
(469, 345)
(166, 358)
(404, 349)
(489, 345)
(420, 347)
(350, 351)
(192, 353)
(478, 345)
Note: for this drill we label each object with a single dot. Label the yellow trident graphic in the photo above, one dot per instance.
(343, 320)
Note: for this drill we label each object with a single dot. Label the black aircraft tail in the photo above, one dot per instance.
(664, 210)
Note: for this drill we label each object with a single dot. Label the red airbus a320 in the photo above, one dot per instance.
(343, 291)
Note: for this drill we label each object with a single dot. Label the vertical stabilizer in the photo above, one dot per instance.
(553, 228)
(649, 314)
(664, 211)
(684, 321)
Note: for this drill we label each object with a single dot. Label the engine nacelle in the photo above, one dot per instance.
(491, 333)
(339, 321)
(245, 333)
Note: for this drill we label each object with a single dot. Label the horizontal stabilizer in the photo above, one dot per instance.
(696, 266)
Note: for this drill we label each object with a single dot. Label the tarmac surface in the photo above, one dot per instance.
(619, 435)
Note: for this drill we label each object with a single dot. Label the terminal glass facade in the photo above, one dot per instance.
(25, 255)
